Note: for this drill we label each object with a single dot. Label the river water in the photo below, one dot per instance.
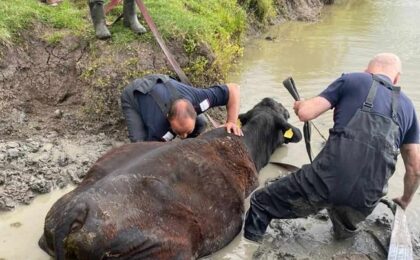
(347, 36)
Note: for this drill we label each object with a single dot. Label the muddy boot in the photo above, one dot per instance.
(130, 17)
(342, 226)
(98, 18)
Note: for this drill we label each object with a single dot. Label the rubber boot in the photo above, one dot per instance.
(98, 18)
(130, 17)
(342, 226)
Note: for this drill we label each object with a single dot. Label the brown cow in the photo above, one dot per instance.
(176, 200)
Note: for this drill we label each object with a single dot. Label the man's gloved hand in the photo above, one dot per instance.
(233, 128)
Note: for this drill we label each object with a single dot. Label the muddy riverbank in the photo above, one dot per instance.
(60, 91)
(41, 164)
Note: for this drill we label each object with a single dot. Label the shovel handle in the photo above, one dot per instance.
(289, 84)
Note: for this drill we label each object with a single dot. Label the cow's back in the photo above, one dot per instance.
(192, 189)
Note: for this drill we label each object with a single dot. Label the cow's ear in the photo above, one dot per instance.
(243, 118)
(290, 133)
(295, 137)
(286, 114)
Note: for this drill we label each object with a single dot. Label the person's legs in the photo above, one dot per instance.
(283, 199)
(135, 125)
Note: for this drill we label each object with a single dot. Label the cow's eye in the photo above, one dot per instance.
(76, 226)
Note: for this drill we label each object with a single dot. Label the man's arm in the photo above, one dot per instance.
(310, 109)
(232, 108)
(411, 157)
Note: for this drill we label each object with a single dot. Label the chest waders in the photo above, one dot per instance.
(145, 86)
(358, 160)
(348, 177)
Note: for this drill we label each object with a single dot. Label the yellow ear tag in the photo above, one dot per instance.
(238, 123)
(288, 134)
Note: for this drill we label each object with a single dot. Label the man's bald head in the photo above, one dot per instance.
(182, 117)
(387, 64)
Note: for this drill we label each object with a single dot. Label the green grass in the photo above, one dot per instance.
(204, 18)
(211, 21)
(262, 10)
(17, 15)
(220, 24)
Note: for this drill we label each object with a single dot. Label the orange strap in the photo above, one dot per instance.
(110, 5)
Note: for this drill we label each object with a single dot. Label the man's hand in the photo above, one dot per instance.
(400, 201)
(233, 128)
(296, 106)
(310, 109)
(411, 157)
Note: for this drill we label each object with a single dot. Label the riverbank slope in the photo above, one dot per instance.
(59, 86)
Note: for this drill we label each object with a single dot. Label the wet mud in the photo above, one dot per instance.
(40, 164)
(312, 238)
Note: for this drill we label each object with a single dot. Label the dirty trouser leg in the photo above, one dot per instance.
(288, 197)
(345, 220)
(133, 119)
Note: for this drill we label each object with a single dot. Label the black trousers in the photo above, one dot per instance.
(294, 196)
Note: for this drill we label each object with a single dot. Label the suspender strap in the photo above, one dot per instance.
(395, 102)
(173, 91)
(174, 95)
(368, 104)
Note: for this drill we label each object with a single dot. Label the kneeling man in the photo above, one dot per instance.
(373, 120)
(159, 108)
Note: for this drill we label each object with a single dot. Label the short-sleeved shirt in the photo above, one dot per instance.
(157, 124)
(347, 94)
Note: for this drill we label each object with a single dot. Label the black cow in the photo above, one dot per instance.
(175, 200)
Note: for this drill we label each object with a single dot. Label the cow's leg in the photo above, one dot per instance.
(288, 197)
(97, 13)
(130, 17)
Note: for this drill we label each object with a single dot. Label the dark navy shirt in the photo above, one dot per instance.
(156, 123)
(347, 94)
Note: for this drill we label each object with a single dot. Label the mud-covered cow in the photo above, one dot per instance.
(175, 200)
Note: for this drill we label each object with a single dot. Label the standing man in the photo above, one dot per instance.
(372, 121)
(159, 108)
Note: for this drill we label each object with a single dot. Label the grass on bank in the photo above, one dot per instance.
(218, 23)
(18, 15)
(209, 21)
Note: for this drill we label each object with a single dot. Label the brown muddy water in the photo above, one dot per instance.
(349, 33)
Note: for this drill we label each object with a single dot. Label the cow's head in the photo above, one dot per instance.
(265, 128)
(85, 225)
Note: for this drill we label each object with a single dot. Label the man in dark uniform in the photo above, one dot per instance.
(159, 108)
(373, 120)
